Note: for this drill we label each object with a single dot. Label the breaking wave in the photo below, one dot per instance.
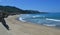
(39, 19)
(53, 19)
(21, 19)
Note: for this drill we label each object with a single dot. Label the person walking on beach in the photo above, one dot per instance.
(2, 20)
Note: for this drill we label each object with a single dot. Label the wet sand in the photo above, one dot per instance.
(20, 28)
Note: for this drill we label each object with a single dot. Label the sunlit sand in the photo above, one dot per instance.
(20, 28)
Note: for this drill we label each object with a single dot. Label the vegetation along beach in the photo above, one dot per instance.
(29, 17)
(32, 26)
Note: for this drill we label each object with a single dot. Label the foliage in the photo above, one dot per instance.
(15, 10)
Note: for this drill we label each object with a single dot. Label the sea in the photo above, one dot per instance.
(49, 19)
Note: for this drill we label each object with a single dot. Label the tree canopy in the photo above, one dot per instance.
(15, 10)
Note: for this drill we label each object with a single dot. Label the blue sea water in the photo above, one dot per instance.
(51, 19)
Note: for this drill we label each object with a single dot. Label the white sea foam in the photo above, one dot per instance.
(37, 16)
(53, 19)
(21, 19)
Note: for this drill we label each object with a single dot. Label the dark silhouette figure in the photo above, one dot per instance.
(2, 20)
(4, 23)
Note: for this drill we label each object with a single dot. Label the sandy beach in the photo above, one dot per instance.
(20, 28)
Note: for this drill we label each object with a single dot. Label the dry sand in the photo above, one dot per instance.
(20, 28)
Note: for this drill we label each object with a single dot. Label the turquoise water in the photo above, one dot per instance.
(52, 19)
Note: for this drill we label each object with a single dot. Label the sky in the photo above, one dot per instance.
(40, 5)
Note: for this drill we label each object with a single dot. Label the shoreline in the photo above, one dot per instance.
(40, 24)
(53, 27)
(51, 24)
(27, 28)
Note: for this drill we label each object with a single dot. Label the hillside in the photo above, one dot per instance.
(15, 10)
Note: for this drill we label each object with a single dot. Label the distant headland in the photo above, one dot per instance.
(15, 10)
